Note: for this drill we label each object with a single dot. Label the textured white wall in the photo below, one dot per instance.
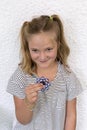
(12, 14)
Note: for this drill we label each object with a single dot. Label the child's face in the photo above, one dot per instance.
(43, 49)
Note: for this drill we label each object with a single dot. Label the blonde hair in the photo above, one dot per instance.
(42, 24)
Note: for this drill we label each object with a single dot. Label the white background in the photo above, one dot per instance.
(12, 14)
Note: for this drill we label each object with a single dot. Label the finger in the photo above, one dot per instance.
(33, 88)
(37, 87)
(31, 95)
(34, 94)
(32, 98)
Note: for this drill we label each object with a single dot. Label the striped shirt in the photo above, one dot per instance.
(49, 112)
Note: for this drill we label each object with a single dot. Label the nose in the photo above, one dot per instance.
(42, 56)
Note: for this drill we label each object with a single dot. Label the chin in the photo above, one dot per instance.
(44, 65)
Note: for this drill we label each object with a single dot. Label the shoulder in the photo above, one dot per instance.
(73, 85)
(67, 71)
(69, 75)
(18, 76)
(17, 83)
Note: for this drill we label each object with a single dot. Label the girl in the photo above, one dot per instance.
(43, 86)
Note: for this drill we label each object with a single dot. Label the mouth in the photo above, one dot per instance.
(44, 61)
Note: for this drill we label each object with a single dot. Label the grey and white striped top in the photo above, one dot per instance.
(49, 113)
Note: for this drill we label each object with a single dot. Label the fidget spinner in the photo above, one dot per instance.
(45, 82)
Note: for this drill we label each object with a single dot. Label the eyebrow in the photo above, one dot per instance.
(34, 48)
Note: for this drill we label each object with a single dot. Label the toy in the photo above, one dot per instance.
(45, 82)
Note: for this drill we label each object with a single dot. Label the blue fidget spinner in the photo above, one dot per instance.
(45, 82)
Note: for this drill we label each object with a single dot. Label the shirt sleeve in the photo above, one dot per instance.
(74, 87)
(16, 84)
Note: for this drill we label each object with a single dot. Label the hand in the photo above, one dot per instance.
(32, 92)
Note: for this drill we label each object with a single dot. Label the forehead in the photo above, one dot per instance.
(42, 38)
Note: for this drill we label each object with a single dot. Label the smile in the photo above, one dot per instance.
(44, 61)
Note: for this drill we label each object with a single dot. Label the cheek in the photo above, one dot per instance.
(54, 54)
(33, 56)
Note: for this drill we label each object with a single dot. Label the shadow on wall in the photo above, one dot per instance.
(6, 119)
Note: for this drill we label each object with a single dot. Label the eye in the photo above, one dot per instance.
(49, 49)
(35, 50)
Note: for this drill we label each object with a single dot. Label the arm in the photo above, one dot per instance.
(70, 121)
(23, 107)
(23, 115)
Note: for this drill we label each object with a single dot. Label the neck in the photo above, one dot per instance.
(48, 72)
